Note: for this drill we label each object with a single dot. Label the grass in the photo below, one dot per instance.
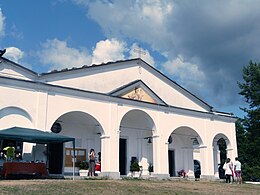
(29, 187)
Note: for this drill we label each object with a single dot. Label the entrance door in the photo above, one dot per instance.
(122, 156)
(171, 163)
(55, 158)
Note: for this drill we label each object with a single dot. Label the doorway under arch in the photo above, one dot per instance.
(220, 154)
(183, 149)
(85, 129)
(136, 141)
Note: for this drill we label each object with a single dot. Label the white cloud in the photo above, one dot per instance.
(156, 11)
(143, 20)
(225, 41)
(109, 50)
(186, 73)
(2, 19)
(14, 54)
(59, 55)
(145, 55)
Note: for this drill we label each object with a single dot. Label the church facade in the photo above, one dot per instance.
(127, 110)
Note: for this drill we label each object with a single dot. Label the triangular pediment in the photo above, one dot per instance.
(14, 70)
(139, 91)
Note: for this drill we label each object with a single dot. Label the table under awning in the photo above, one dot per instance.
(36, 136)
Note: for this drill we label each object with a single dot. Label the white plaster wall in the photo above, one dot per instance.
(20, 98)
(207, 129)
(59, 105)
(45, 109)
(17, 109)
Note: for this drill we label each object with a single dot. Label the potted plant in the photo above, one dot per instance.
(135, 169)
(83, 168)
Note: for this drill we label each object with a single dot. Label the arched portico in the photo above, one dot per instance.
(136, 131)
(221, 151)
(85, 129)
(16, 116)
(12, 113)
(183, 149)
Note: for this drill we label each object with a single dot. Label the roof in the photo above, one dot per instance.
(100, 66)
(19, 66)
(33, 136)
(88, 66)
(140, 62)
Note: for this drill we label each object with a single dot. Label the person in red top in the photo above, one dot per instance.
(92, 159)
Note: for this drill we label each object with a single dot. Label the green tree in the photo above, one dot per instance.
(242, 143)
(248, 131)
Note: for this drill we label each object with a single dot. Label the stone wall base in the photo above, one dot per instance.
(110, 175)
(160, 176)
(209, 177)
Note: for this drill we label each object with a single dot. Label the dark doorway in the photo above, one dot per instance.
(223, 150)
(122, 156)
(197, 168)
(171, 163)
(55, 158)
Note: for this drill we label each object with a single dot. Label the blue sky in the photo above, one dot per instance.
(202, 45)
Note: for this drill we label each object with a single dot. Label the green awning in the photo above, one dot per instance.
(33, 136)
(36, 136)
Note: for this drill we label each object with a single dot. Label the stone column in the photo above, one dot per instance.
(216, 154)
(110, 156)
(188, 161)
(203, 160)
(207, 165)
(160, 158)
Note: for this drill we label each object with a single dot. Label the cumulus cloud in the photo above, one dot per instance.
(59, 55)
(185, 72)
(221, 35)
(108, 50)
(223, 43)
(2, 19)
(145, 55)
(14, 54)
(143, 20)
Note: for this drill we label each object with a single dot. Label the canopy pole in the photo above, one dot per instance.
(73, 159)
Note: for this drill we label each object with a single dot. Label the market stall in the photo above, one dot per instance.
(33, 136)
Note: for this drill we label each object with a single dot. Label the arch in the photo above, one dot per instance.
(15, 116)
(138, 116)
(87, 132)
(14, 110)
(82, 117)
(219, 136)
(221, 145)
(185, 146)
(136, 140)
(186, 131)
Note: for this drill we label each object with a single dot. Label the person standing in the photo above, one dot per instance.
(237, 168)
(228, 170)
(91, 158)
(10, 152)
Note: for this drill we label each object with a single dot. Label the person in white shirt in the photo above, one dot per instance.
(237, 168)
(228, 170)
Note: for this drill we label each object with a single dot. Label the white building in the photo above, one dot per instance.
(125, 109)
